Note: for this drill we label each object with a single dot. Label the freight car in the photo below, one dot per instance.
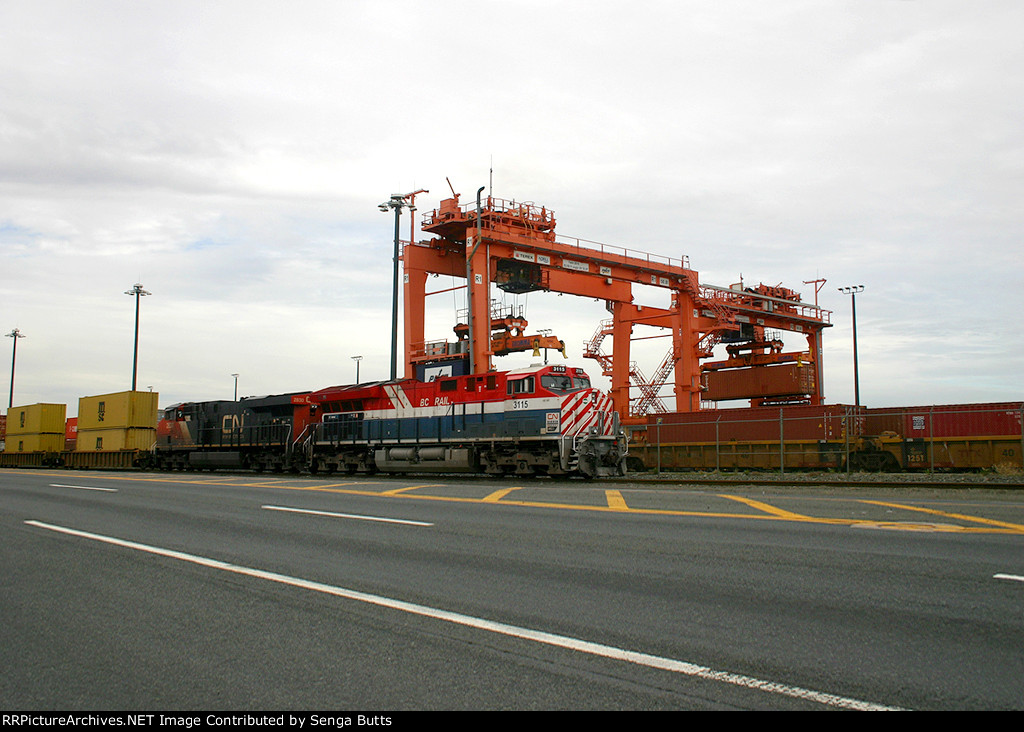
(943, 437)
(835, 437)
(541, 420)
(111, 431)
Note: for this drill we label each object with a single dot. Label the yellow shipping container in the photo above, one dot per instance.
(124, 438)
(34, 443)
(35, 419)
(120, 410)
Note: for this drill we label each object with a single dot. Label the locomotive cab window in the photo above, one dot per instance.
(520, 386)
(558, 383)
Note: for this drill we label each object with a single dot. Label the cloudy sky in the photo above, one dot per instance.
(230, 156)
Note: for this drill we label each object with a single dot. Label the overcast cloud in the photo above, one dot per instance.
(231, 155)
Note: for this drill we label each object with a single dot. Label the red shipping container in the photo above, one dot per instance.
(763, 381)
(755, 424)
(999, 419)
(71, 433)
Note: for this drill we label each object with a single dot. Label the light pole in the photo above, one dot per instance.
(357, 359)
(15, 334)
(236, 386)
(138, 292)
(396, 203)
(852, 292)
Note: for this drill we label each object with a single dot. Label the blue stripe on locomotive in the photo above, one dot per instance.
(444, 428)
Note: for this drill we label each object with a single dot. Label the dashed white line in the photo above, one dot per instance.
(382, 519)
(84, 487)
(1014, 577)
(538, 636)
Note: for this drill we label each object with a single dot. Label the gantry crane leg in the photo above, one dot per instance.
(622, 331)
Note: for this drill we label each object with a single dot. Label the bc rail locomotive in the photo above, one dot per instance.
(543, 420)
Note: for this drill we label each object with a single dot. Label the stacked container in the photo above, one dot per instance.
(125, 420)
(35, 428)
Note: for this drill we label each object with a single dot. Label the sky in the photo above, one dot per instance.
(231, 156)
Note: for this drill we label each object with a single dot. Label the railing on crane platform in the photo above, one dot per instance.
(529, 213)
(734, 298)
(655, 261)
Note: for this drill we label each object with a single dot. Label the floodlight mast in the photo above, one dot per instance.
(138, 292)
(852, 292)
(396, 203)
(15, 334)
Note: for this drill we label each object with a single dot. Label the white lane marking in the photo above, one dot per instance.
(408, 522)
(539, 636)
(1014, 577)
(83, 487)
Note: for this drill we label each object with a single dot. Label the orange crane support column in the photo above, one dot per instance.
(684, 344)
(814, 347)
(418, 260)
(415, 291)
(478, 268)
(622, 334)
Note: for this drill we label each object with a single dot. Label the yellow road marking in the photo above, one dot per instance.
(1017, 528)
(908, 526)
(397, 491)
(350, 482)
(498, 495)
(615, 501)
(767, 508)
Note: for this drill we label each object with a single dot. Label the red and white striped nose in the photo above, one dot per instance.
(585, 409)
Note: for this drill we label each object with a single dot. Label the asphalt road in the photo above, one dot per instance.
(230, 592)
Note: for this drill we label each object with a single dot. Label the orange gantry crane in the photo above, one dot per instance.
(514, 246)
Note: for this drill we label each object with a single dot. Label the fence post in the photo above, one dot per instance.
(782, 447)
(718, 446)
(931, 439)
(659, 445)
(846, 435)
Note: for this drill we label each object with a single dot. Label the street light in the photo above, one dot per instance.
(357, 359)
(396, 203)
(15, 334)
(138, 292)
(236, 386)
(852, 292)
